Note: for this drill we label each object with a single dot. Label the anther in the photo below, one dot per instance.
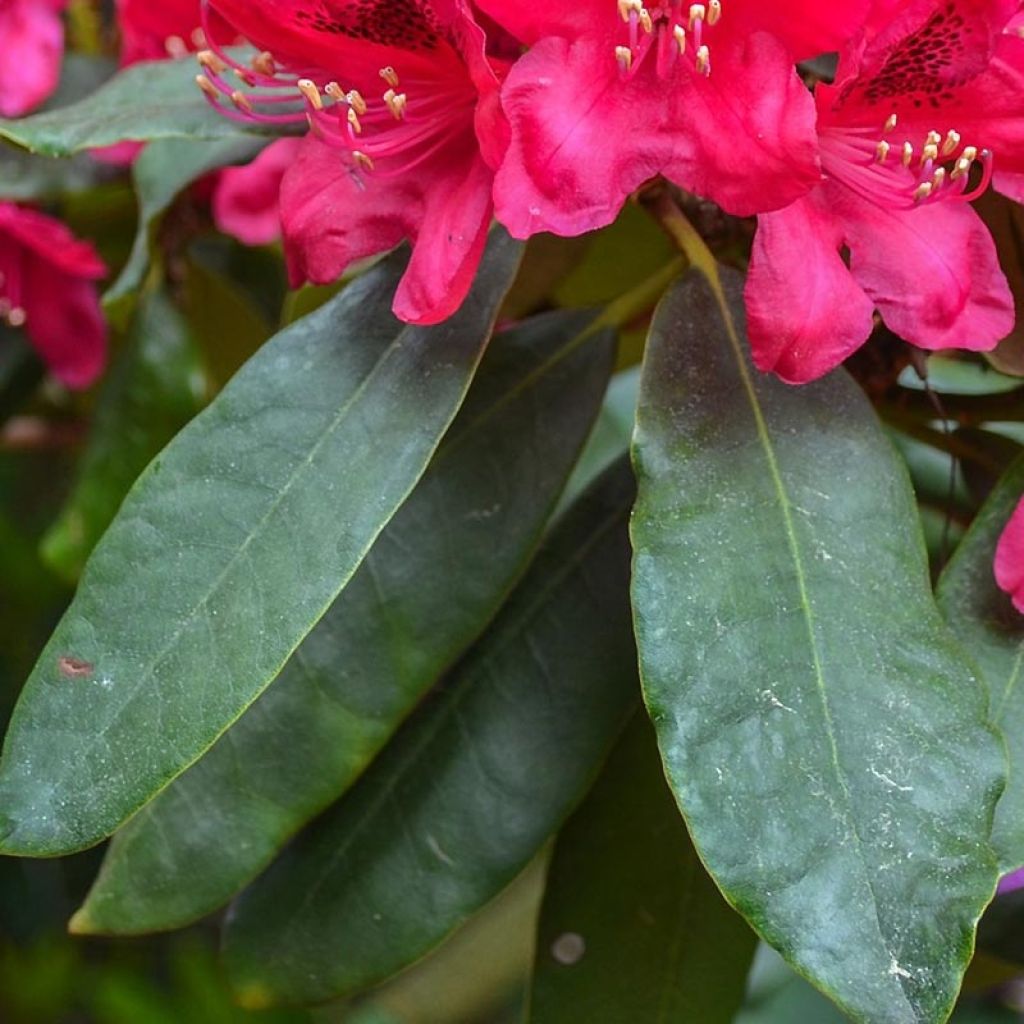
(353, 120)
(890, 123)
(938, 178)
(176, 47)
(390, 76)
(645, 20)
(628, 7)
(952, 143)
(362, 159)
(703, 60)
(714, 11)
(923, 191)
(17, 317)
(209, 60)
(355, 100)
(882, 151)
(311, 92)
(679, 34)
(208, 87)
(241, 101)
(908, 154)
(624, 55)
(698, 12)
(929, 152)
(395, 103)
(264, 64)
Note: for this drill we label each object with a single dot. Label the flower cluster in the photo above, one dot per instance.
(427, 117)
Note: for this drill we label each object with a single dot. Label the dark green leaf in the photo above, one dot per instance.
(228, 550)
(468, 791)
(823, 732)
(148, 101)
(434, 578)
(632, 928)
(162, 170)
(992, 631)
(155, 387)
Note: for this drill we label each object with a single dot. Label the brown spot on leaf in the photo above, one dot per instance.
(74, 668)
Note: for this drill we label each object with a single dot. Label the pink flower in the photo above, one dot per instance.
(612, 93)
(48, 286)
(406, 127)
(930, 97)
(169, 28)
(245, 199)
(1011, 882)
(1009, 566)
(32, 41)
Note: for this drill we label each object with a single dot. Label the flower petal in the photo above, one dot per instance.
(32, 41)
(745, 135)
(932, 272)
(805, 312)
(582, 139)
(246, 200)
(1009, 563)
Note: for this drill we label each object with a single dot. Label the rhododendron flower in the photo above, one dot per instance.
(924, 106)
(406, 127)
(245, 199)
(613, 92)
(1009, 565)
(32, 41)
(170, 28)
(48, 287)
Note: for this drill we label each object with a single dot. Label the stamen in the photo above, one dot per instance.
(389, 75)
(890, 123)
(311, 92)
(882, 151)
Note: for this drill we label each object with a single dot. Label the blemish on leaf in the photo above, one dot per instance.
(74, 668)
(568, 948)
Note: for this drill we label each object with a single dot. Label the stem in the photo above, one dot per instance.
(663, 208)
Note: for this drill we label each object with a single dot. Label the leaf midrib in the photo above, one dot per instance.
(805, 602)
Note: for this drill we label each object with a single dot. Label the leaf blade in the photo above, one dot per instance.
(467, 793)
(478, 511)
(244, 517)
(770, 637)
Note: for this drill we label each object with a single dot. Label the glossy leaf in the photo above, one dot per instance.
(228, 550)
(824, 734)
(631, 927)
(148, 101)
(992, 631)
(432, 581)
(468, 791)
(154, 388)
(161, 171)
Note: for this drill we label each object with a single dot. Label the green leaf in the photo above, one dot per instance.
(148, 101)
(228, 550)
(632, 928)
(161, 171)
(992, 631)
(432, 581)
(154, 388)
(468, 791)
(823, 732)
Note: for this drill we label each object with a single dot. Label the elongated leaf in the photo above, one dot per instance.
(632, 928)
(430, 584)
(153, 390)
(151, 100)
(162, 170)
(992, 631)
(823, 732)
(468, 792)
(228, 550)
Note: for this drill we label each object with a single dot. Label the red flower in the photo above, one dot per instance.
(1010, 558)
(48, 286)
(403, 107)
(32, 41)
(169, 28)
(933, 94)
(612, 93)
(245, 199)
